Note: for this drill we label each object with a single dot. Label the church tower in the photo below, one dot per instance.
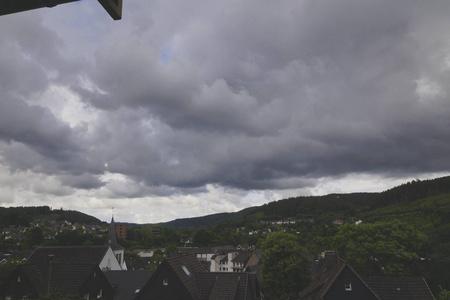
(115, 247)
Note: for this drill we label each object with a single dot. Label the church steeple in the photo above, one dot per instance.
(117, 249)
(112, 239)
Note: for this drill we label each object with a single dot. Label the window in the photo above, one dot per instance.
(18, 278)
(186, 270)
(165, 281)
(100, 294)
(348, 285)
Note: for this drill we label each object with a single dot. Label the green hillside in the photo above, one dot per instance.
(22, 216)
(329, 206)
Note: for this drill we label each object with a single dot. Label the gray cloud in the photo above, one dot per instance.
(249, 95)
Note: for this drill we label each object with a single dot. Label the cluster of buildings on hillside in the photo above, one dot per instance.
(51, 228)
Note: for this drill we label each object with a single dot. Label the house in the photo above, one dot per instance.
(334, 279)
(173, 279)
(242, 247)
(33, 280)
(223, 262)
(184, 278)
(338, 222)
(127, 284)
(202, 253)
(223, 258)
(145, 252)
(102, 256)
(240, 261)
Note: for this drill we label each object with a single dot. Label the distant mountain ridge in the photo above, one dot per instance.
(295, 207)
(311, 206)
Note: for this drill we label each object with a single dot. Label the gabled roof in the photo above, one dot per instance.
(128, 283)
(324, 278)
(400, 288)
(71, 254)
(242, 257)
(66, 278)
(255, 258)
(327, 271)
(184, 266)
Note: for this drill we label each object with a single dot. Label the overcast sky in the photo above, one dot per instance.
(187, 108)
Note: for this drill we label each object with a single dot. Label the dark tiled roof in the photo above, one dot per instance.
(188, 262)
(75, 254)
(400, 288)
(206, 264)
(242, 257)
(66, 278)
(222, 286)
(327, 271)
(127, 283)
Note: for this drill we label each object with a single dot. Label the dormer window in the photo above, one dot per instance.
(348, 285)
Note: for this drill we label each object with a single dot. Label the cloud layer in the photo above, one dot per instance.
(185, 109)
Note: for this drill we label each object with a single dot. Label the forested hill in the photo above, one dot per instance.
(22, 216)
(333, 205)
(338, 205)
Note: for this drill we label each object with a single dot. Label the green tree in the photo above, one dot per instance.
(443, 294)
(157, 258)
(388, 248)
(33, 237)
(203, 237)
(286, 268)
(72, 238)
(6, 270)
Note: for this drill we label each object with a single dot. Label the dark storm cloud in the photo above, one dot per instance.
(258, 95)
(252, 95)
(33, 137)
(84, 181)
